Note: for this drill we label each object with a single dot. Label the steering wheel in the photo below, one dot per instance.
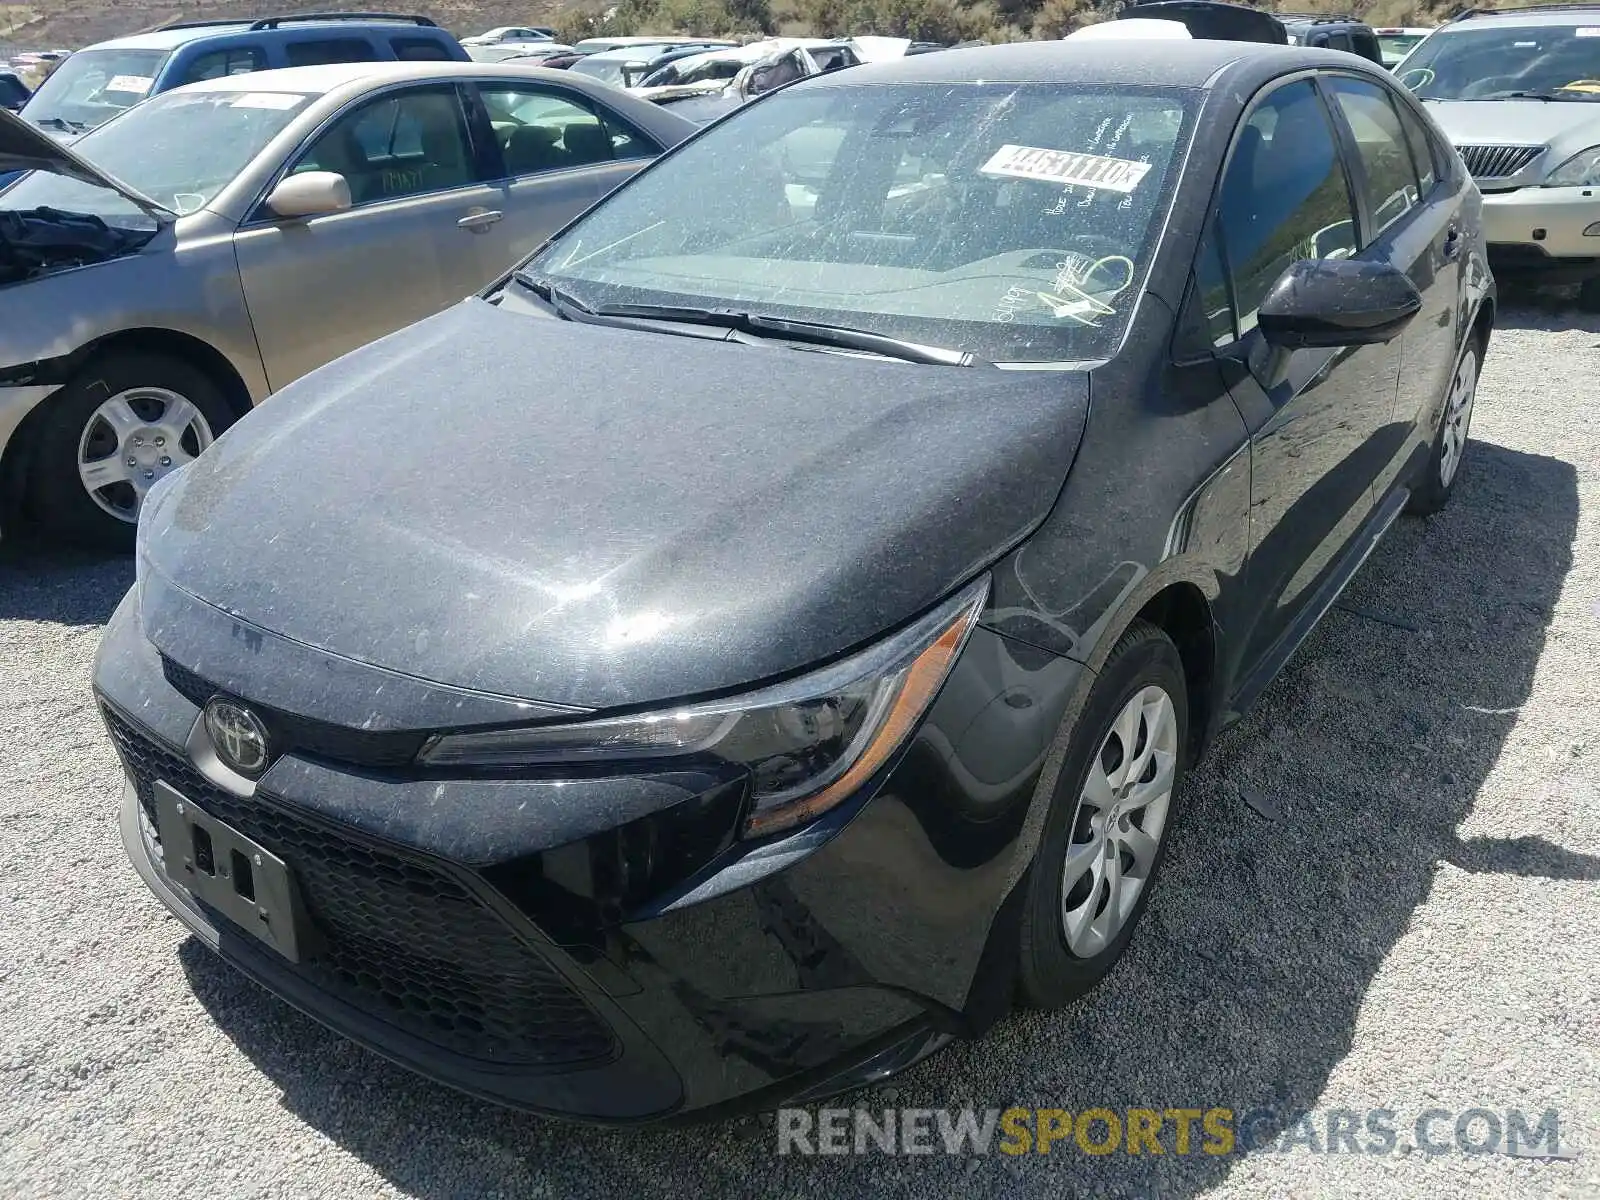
(1414, 84)
(1097, 245)
(1111, 269)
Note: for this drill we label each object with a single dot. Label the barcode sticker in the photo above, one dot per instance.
(1067, 167)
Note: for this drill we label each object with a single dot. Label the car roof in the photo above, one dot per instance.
(1292, 20)
(171, 39)
(632, 52)
(1185, 63)
(1547, 14)
(343, 81)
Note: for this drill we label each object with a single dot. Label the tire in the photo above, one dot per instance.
(1061, 953)
(1589, 295)
(1438, 478)
(117, 407)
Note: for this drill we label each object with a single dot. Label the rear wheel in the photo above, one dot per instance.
(117, 429)
(1432, 490)
(1106, 834)
(1589, 295)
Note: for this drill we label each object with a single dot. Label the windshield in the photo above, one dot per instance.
(180, 149)
(93, 86)
(1560, 62)
(1012, 221)
(697, 69)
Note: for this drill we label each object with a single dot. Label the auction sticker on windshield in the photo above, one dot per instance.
(1065, 166)
(137, 85)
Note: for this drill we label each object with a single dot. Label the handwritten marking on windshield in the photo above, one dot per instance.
(570, 261)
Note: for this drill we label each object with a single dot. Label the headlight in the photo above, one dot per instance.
(1581, 170)
(808, 744)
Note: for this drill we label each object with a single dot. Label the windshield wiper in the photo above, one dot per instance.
(810, 332)
(1547, 97)
(62, 124)
(563, 302)
(752, 324)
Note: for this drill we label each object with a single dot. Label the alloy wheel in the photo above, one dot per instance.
(132, 441)
(1121, 817)
(1458, 417)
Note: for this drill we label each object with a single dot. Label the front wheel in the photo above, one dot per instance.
(1432, 491)
(1106, 834)
(110, 435)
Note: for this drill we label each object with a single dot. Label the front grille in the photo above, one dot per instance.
(1496, 162)
(303, 735)
(405, 941)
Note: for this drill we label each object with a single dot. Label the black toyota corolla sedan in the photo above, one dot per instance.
(621, 750)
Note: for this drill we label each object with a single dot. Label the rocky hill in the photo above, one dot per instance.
(43, 24)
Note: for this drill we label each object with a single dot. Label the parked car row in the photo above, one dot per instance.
(173, 266)
(626, 751)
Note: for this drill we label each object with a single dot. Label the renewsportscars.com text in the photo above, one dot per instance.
(1181, 1131)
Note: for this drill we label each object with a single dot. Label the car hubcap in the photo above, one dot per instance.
(1458, 417)
(1122, 814)
(133, 441)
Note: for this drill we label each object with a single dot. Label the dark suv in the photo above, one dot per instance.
(1333, 33)
(97, 83)
(13, 92)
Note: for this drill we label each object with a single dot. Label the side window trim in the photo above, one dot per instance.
(259, 216)
(1355, 168)
(1410, 112)
(1211, 227)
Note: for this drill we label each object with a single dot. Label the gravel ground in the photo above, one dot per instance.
(1414, 921)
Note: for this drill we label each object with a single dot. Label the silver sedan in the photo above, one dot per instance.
(213, 244)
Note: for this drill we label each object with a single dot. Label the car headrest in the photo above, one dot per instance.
(587, 142)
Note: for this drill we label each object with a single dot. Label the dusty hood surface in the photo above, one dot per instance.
(1517, 122)
(599, 517)
(24, 147)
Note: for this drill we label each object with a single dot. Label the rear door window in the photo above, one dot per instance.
(542, 129)
(236, 60)
(330, 50)
(1423, 153)
(1389, 180)
(417, 49)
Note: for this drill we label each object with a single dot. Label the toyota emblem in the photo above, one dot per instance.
(238, 736)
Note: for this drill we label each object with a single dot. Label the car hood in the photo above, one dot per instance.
(26, 147)
(1517, 122)
(597, 517)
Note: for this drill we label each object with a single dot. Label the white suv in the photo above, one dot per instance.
(1518, 92)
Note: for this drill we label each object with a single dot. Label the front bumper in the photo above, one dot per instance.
(482, 933)
(1538, 228)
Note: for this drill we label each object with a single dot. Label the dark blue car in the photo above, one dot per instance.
(96, 84)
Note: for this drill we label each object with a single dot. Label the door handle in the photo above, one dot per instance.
(480, 219)
(1452, 242)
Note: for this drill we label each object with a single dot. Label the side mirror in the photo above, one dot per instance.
(310, 194)
(1337, 302)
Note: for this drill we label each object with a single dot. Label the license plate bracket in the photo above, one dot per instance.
(240, 878)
